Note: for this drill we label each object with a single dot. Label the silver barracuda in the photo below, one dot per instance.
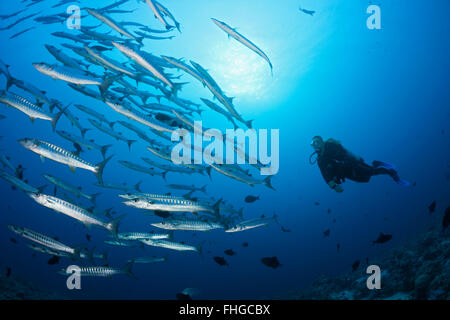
(167, 13)
(167, 244)
(172, 205)
(140, 60)
(122, 187)
(55, 153)
(22, 185)
(239, 37)
(218, 109)
(148, 260)
(251, 224)
(66, 74)
(70, 188)
(111, 23)
(133, 236)
(102, 272)
(93, 113)
(187, 225)
(30, 109)
(139, 168)
(182, 66)
(84, 216)
(108, 62)
(127, 111)
(245, 179)
(111, 132)
(83, 142)
(44, 240)
(158, 14)
(65, 59)
(138, 131)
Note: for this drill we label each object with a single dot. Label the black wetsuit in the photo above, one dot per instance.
(337, 164)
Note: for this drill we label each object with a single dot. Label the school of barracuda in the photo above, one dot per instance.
(145, 90)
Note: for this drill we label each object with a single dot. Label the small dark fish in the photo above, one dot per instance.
(355, 265)
(326, 233)
(182, 296)
(221, 261)
(414, 184)
(100, 48)
(53, 260)
(88, 237)
(285, 230)
(309, 12)
(271, 262)
(230, 252)
(251, 199)
(334, 220)
(432, 207)
(163, 117)
(338, 246)
(13, 240)
(245, 244)
(382, 238)
(317, 203)
(329, 211)
(446, 220)
(8, 272)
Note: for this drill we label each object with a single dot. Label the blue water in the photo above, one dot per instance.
(382, 93)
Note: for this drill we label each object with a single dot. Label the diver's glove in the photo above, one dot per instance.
(333, 185)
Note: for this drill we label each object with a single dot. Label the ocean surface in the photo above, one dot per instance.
(384, 94)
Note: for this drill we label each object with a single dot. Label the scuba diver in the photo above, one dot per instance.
(337, 164)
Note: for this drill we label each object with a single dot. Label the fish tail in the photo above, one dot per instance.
(249, 124)
(94, 197)
(164, 175)
(216, 207)
(58, 116)
(104, 149)
(127, 270)
(138, 186)
(268, 182)
(130, 142)
(83, 131)
(99, 169)
(208, 171)
(178, 87)
(203, 189)
(108, 80)
(113, 226)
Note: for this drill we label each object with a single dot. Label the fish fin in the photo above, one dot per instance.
(99, 169)
(138, 186)
(113, 226)
(83, 131)
(203, 189)
(130, 142)
(208, 171)
(127, 270)
(32, 120)
(268, 182)
(42, 158)
(72, 168)
(104, 149)
(94, 197)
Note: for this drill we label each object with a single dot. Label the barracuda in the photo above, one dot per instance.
(138, 131)
(148, 260)
(70, 75)
(104, 272)
(172, 205)
(247, 179)
(111, 132)
(82, 142)
(182, 66)
(30, 109)
(178, 246)
(240, 38)
(84, 216)
(140, 60)
(137, 167)
(138, 116)
(44, 240)
(132, 196)
(20, 184)
(55, 153)
(108, 63)
(70, 188)
(114, 25)
(132, 236)
(156, 11)
(187, 225)
(93, 113)
(251, 224)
